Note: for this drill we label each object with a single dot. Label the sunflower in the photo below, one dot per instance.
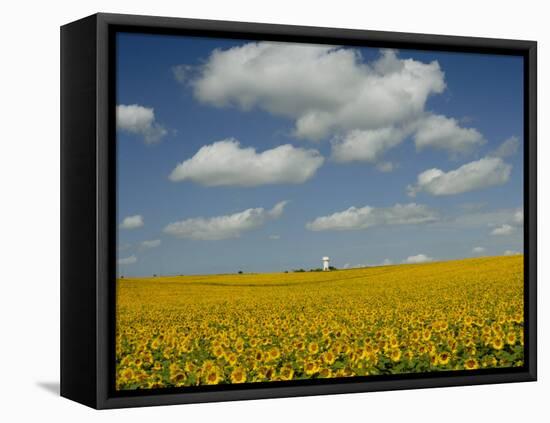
(217, 351)
(443, 358)
(212, 377)
(127, 373)
(471, 364)
(178, 378)
(238, 375)
(395, 355)
(232, 358)
(190, 366)
(311, 367)
(329, 357)
(286, 372)
(325, 373)
(497, 343)
(489, 361)
(511, 338)
(426, 334)
(313, 348)
(274, 353)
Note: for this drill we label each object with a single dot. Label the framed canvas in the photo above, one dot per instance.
(258, 211)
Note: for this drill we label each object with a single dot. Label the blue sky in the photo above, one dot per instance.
(368, 156)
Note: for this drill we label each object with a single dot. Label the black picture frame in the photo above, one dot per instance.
(88, 200)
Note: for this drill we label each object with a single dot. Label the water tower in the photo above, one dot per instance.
(325, 264)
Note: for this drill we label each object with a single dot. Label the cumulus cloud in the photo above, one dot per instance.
(509, 226)
(478, 250)
(477, 219)
(127, 260)
(227, 163)
(139, 120)
(365, 217)
(511, 253)
(324, 89)
(445, 133)
(182, 73)
(224, 227)
(153, 243)
(503, 230)
(518, 217)
(508, 148)
(366, 145)
(386, 166)
(132, 222)
(274, 237)
(419, 258)
(472, 176)
(385, 262)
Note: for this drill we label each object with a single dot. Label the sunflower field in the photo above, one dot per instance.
(242, 328)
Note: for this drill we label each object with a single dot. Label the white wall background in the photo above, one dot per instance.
(29, 208)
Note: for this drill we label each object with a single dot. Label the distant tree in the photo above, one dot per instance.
(299, 270)
(240, 272)
(332, 268)
(318, 269)
(121, 276)
(154, 275)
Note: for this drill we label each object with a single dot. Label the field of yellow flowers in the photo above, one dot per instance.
(213, 329)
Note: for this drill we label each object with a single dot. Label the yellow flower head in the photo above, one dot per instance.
(497, 343)
(313, 348)
(471, 364)
(444, 358)
(395, 355)
(238, 375)
(311, 367)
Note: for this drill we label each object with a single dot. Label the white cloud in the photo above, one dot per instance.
(386, 166)
(127, 260)
(132, 222)
(477, 219)
(385, 262)
(139, 120)
(324, 89)
(503, 230)
(419, 258)
(154, 243)
(511, 253)
(478, 250)
(227, 163)
(472, 176)
(445, 133)
(224, 227)
(182, 73)
(274, 237)
(508, 148)
(365, 217)
(518, 217)
(366, 145)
